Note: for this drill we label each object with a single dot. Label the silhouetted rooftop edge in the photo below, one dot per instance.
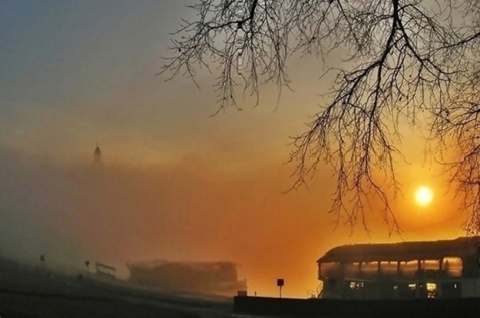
(403, 251)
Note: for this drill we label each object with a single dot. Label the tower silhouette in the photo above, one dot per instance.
(97, 155)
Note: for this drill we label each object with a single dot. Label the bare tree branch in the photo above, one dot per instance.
(404, 58)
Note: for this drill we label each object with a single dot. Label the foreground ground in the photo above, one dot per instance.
(28, 293)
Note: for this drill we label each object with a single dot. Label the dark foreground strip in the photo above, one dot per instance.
(54, 295)
(388, 308)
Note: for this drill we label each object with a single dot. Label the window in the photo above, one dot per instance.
(370, 268)
(431, 290)
(356, 285)
(389, 268)
(352, 269)
(430, 265)
(409, 268)
(452, 266)
(330, 270)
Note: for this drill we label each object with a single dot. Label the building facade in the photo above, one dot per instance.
(406, 270)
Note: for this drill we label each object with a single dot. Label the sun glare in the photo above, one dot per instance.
(424, 196)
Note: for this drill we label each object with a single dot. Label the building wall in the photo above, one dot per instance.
(212, 278)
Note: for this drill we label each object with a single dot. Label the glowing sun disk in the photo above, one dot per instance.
(424, 196)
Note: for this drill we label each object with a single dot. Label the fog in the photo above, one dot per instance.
(175, 183)
(190, 209)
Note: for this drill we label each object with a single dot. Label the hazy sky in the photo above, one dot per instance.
(176, 183)
(74, 72)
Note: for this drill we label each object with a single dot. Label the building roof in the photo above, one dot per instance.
(192, 264)
(404, 251)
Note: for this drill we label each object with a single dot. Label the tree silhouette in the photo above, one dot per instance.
(407, 61)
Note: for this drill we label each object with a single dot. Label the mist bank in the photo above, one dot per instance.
(193, 209)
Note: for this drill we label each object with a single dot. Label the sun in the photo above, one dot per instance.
(424, 195)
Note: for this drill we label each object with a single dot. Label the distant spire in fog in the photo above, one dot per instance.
(97, 155)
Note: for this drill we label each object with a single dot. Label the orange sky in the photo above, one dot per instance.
(196, 208)
(177, 183)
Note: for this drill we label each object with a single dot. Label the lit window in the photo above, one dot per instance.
(412, 286)
(431, 287)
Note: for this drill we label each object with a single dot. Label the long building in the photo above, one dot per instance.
(406, 270)
(219, 278)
